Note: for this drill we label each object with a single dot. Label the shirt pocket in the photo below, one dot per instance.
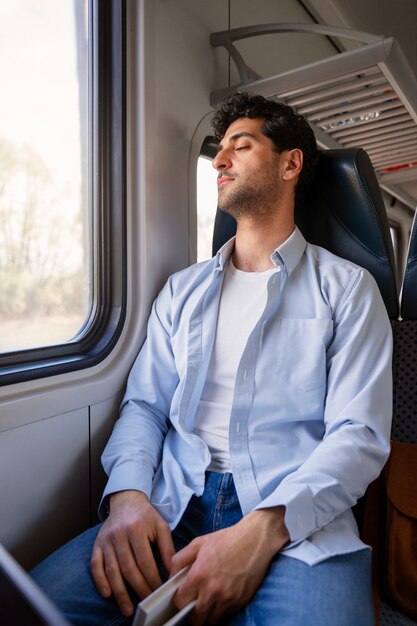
(301, 359)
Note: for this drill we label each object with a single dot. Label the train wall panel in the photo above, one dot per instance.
(44, 485)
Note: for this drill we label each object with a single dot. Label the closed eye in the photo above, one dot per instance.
(242, 148)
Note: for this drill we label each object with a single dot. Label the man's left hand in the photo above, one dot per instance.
(228, 566)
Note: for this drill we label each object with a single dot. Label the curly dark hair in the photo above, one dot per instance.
(285, 128)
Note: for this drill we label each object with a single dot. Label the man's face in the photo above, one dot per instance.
(249, 181)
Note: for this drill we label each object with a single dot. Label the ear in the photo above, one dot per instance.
(293, 163)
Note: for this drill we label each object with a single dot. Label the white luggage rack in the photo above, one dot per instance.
(366, 97)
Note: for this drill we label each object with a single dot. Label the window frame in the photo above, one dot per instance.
(106, 212)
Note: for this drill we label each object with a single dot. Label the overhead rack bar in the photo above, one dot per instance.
(401, 129)
(352, 85)
(374, 125)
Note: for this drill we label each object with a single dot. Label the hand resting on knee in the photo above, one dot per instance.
(123, 551)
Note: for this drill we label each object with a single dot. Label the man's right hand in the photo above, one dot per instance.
(122, 551)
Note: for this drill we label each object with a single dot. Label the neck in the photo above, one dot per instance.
(255, 244)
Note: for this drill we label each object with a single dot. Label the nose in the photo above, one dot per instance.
(222, 160)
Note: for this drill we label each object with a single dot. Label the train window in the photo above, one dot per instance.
(206, 198)
(61, 136)
(44, 284)
(206, 206)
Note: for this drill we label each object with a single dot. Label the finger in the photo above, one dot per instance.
(146, 563)
(211, 609)
(198, 616)
(131, 570)
(116, 582)
(189, 590)
(216, 613)
(184, 595)
(197, 619)
(97, 572)
(165, 545)
(184, 557)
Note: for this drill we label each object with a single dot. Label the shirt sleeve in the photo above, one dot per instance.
(134, 449)
(357, 416)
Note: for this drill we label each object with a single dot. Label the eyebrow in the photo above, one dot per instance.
(237, 136)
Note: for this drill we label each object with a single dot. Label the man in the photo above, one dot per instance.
(256, 414)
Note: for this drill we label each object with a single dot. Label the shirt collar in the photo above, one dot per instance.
(288, 253)
(223, 255)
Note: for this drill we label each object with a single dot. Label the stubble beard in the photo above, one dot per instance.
(251, 202)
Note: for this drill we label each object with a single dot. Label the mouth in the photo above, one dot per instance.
(224, 179)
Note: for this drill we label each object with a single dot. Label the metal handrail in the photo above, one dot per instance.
(226, 38)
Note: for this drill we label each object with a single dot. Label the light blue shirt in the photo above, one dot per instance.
(311, 415)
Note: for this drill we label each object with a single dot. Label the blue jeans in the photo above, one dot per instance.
(336, 592)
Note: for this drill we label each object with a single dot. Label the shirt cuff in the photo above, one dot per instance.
(300, 517)
(123, 477)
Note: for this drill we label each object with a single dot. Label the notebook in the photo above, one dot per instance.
(158, 609)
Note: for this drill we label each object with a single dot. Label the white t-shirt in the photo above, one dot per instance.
(242, 302)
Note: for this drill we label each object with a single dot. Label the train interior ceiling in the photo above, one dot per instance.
(53, 428)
